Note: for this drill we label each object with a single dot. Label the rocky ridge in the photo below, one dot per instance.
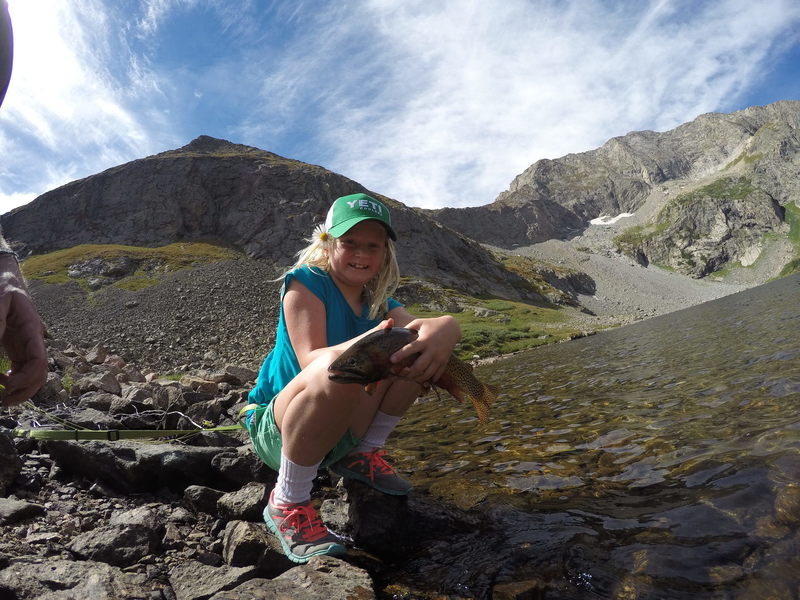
(242, 197)
(742, 167)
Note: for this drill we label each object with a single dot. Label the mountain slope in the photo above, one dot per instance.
(250, 199)
(654, 172)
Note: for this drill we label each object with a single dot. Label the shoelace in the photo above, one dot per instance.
(377, 464)
(304, 519)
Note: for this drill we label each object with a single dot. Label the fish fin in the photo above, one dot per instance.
(481, 409)
(491, 396)
(371, 387)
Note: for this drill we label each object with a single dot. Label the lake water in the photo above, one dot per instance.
(659, 460)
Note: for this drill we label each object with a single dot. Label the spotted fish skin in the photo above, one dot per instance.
(460, 381)
(367, 362)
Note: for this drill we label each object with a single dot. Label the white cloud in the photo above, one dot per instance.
(66, 114)
(432, 103)
(468, 94)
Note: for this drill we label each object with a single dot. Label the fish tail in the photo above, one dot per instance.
(482, 399)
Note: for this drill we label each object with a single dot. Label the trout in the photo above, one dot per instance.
(367, 361)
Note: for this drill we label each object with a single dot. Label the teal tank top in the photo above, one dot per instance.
(341, 324)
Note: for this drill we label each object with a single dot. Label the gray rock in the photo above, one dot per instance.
(56, 579)
(322, 578)
(104, 382)
(97, 355)
(52, 392)
(133, 374)
(100, 401)
(14, 511)
(238, 467)
(10, 463)
(90, 418)
(121, 545)
(141, 393)
(192, 580)
(235, 375)
(200, 498)
(248, 544)
(246, 504)
(130, 466)
(145, 516)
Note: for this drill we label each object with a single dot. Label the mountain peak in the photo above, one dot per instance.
(205, 144)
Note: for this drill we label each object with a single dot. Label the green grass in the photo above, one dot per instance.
(632, 238)
(734, 188)
(53, 266)
(748, 159)
(792, 216)
(527, 268)
(518, 326)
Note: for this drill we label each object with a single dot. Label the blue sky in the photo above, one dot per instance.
(431, 102)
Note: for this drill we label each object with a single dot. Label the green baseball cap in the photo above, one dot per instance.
(347, 211)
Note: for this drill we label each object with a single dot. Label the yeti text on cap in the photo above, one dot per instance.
(365, 204)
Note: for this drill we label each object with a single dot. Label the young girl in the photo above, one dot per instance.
(338, 291)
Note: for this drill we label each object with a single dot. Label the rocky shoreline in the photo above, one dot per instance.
(181, 519)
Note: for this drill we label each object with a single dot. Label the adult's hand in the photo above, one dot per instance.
(21, 335)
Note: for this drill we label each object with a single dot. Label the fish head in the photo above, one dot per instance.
(354, 367)
(367, 360)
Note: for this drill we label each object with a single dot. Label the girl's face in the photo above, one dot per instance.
(357, 256)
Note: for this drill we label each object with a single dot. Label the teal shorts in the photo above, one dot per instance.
(267, 441)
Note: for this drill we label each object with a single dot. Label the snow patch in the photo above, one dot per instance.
(606, 220)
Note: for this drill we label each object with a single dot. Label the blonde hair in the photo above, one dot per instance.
(377, 290)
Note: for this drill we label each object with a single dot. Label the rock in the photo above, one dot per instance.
(236, 468)
(14, 511)
(143, 516)
(322, 578)
(703, 231)
(249, 544)
(200, 498)
(52, 392)
(100, 401)
(135, 467)
(133, 374)
(56, 579)
(235, 375)
(120, 545)
(192, 580)
(97, 355)
(105, 382)
(90, 418)
(200, 385)
(245, 504)
(10, 463)
(115, 360)
(208, 411)
(141, 394)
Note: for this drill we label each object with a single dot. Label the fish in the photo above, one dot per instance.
(366, 362)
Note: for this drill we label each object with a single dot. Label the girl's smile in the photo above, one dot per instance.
(358, 255)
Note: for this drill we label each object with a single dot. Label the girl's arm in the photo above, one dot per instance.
(305, 317)
(437, 338)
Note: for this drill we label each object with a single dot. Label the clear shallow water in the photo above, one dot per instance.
(660, 460)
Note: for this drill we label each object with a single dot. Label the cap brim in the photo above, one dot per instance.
(340, 229)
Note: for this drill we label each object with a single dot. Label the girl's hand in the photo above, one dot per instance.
(435, 343)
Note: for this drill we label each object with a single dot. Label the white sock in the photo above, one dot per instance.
(294, 482)
(380, 428)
